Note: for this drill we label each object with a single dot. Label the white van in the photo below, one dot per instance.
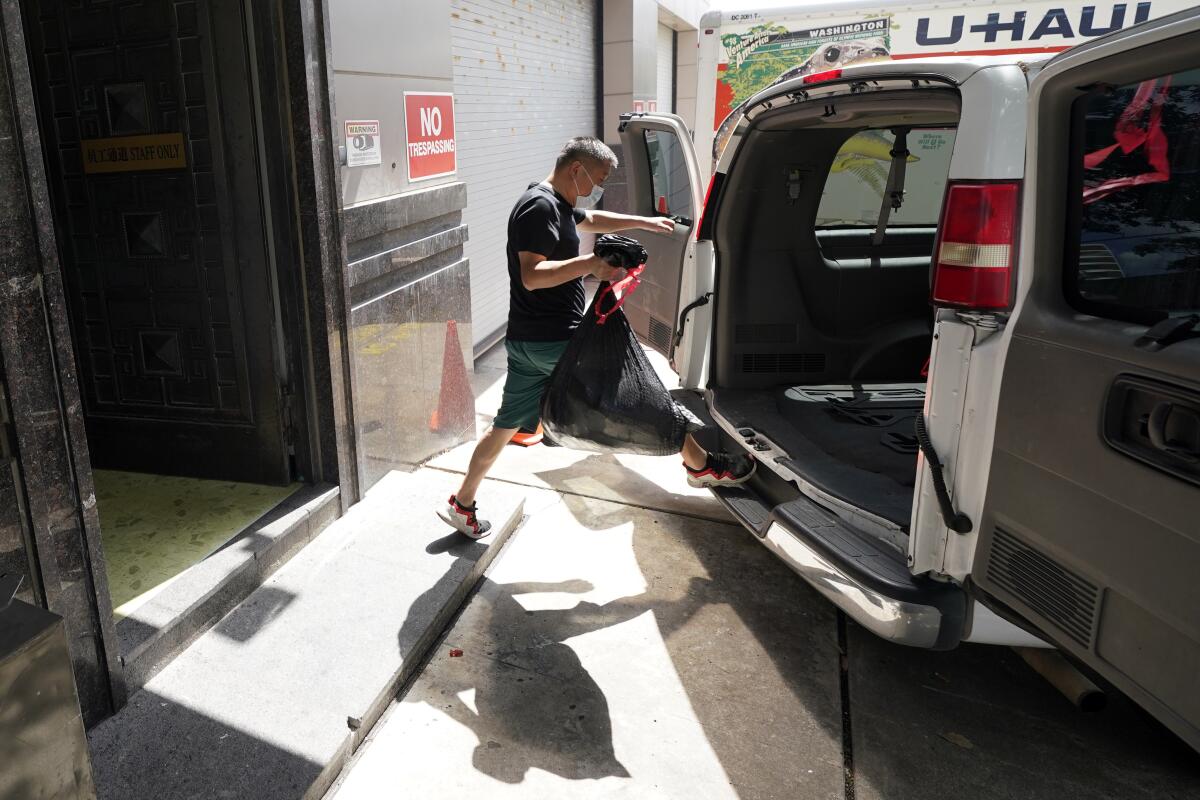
(968, 367)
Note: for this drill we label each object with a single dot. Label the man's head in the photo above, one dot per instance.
(584, 162)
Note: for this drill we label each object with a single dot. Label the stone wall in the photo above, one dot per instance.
(410, 327)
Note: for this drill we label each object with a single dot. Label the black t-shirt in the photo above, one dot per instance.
(543, 222)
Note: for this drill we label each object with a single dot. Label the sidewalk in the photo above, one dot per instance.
(613, 651)
(271, 701)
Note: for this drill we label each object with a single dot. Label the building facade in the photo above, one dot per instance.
(260, 245)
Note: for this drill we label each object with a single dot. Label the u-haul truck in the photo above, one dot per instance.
(743, 52)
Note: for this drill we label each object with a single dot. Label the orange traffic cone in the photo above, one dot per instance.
(456, 403)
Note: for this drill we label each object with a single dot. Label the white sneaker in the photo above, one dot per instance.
(464, 520)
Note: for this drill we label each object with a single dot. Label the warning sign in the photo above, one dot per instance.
(362, 143)
(134, 153)
(429, 133)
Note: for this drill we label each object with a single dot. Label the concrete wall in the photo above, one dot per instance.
(630, 53)
(630, 68)
(382, 49)
(687, 49)
(629, 39)
(685, 12)
(407, 276)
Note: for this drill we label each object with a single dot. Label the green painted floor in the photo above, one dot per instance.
(156, 526)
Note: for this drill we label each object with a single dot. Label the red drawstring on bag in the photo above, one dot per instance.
(620, 290)
(1150, 95)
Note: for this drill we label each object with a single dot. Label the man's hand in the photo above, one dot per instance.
(606, 272)
(664, 225)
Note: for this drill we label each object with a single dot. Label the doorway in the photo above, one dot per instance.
(171, 220)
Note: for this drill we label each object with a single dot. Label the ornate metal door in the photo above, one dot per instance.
(147, 115)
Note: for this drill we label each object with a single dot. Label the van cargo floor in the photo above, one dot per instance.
(854, 442)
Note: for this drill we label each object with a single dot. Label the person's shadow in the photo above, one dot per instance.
(535, 705)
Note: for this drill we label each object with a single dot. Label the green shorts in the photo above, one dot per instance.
(529, 368)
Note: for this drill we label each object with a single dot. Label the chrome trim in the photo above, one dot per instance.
(895, 620)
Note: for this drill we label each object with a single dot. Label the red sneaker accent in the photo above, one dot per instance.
(718, 471)
(469, 513)
(707, 471)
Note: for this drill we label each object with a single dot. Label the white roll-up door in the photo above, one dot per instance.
(666, 68)
(524, 83)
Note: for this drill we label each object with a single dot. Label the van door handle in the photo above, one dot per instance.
(702, 300)
(1156, 431)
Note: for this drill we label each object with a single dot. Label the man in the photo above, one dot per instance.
(546, 305)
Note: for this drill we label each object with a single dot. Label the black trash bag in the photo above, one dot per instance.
(604, 395)
(620, 251)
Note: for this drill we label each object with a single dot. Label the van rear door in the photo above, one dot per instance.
(1091, 524)
(664, 180)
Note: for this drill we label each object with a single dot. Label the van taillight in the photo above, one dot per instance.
(977, 245)
(704, 228)
(822, 77)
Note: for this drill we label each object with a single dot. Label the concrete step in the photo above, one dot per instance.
(272, 701)
(178, 614)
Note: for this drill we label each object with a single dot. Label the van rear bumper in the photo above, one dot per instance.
(862, 576)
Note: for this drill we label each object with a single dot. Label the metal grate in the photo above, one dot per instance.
(765, 333)
(783, 362)
(538, 59)
(1066, 599)
(659, 333)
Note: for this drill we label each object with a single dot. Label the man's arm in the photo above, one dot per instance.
(539, 273)
(611, 222)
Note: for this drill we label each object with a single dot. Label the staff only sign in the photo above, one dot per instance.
(429, 131)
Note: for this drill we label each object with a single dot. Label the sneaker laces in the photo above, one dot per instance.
(468, 510)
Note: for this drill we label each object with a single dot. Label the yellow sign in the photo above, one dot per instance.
(134, 153)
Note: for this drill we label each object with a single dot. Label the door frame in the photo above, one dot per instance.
(279, 197)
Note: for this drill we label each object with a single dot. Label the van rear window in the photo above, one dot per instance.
(858, 178)
(1138, 160)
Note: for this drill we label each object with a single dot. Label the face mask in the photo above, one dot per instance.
(590, 200)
